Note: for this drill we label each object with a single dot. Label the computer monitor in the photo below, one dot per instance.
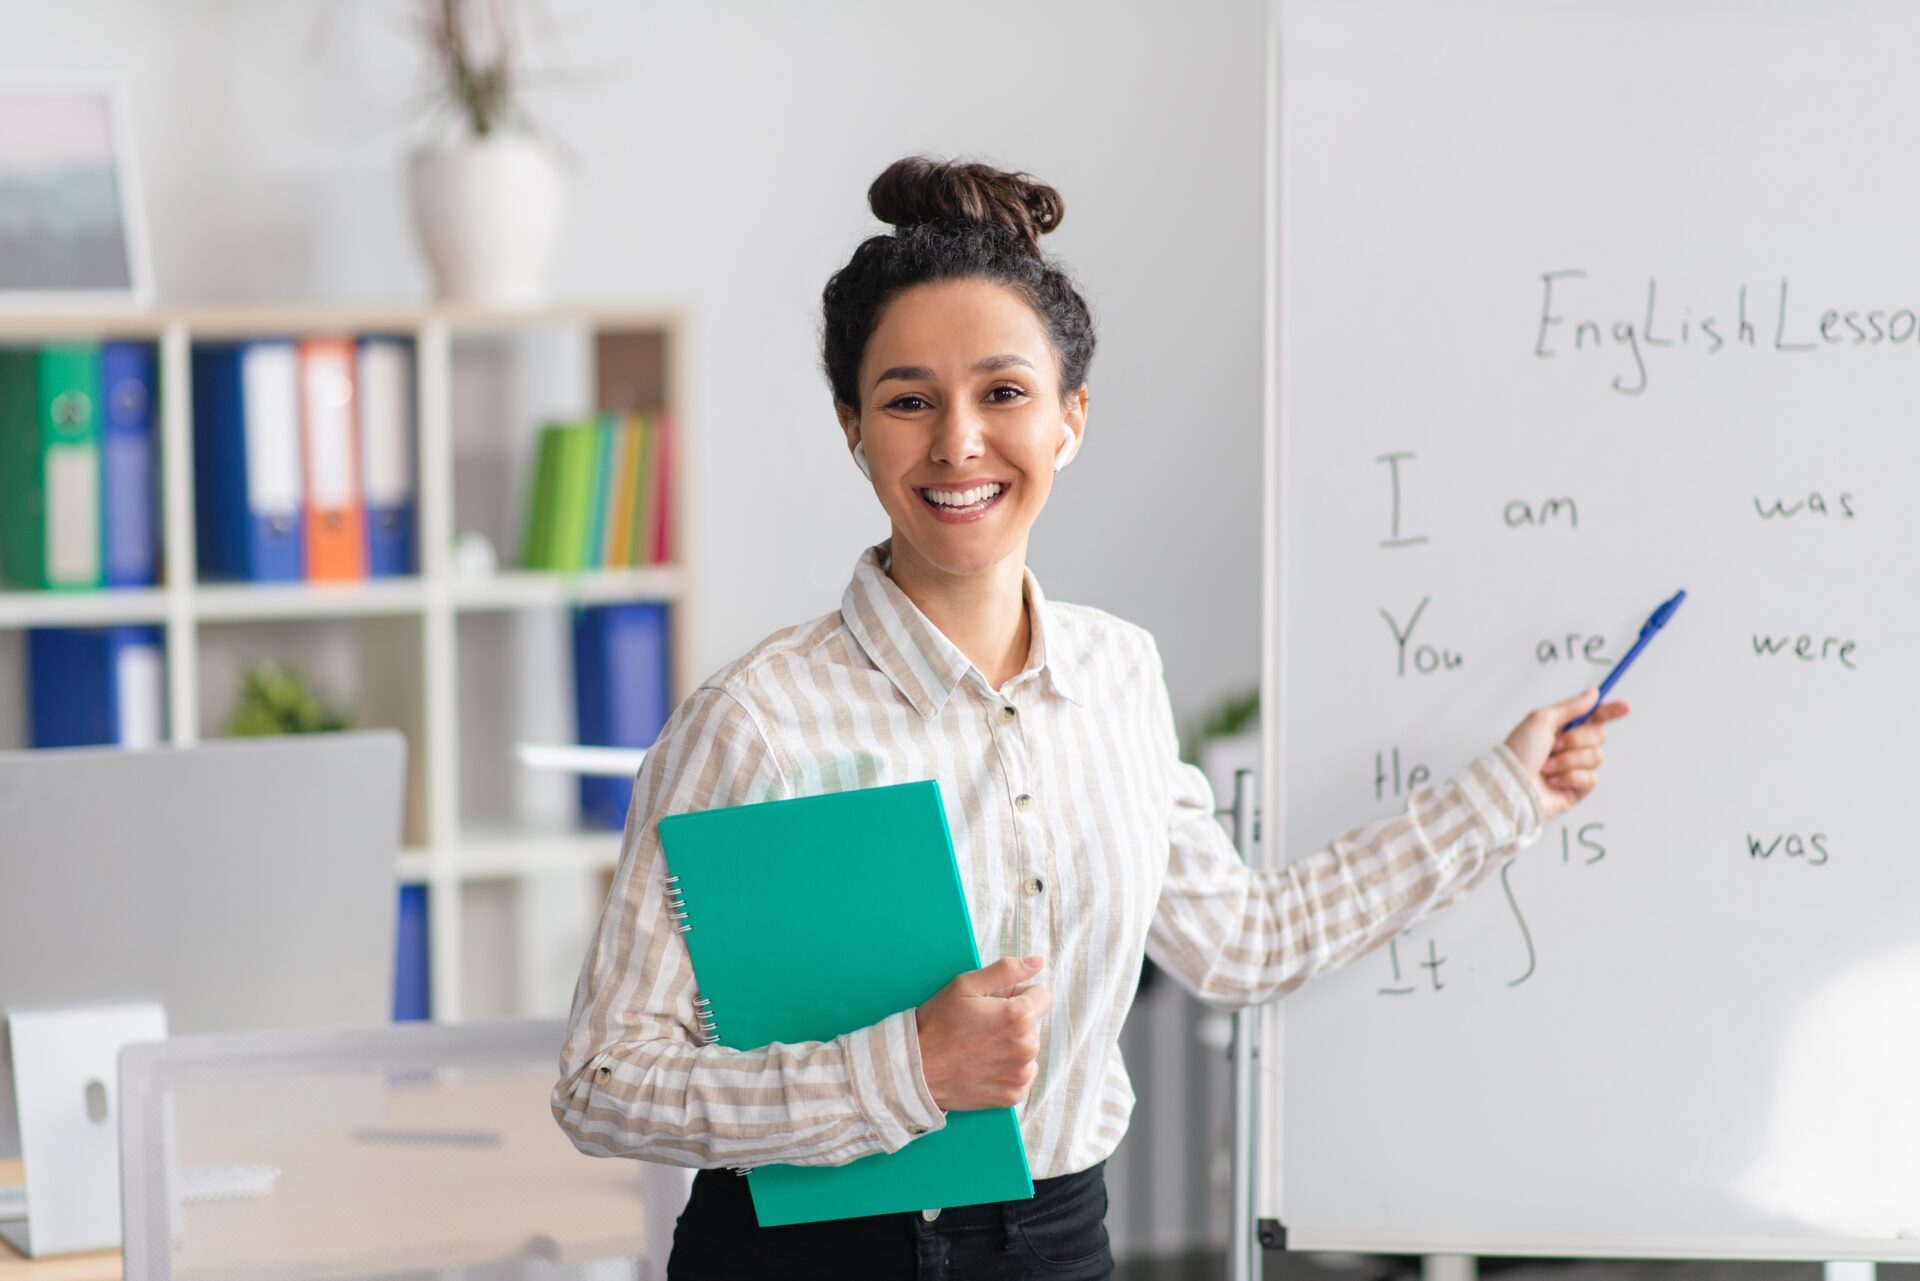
(244, 885)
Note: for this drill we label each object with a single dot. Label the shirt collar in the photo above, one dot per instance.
(917, 657)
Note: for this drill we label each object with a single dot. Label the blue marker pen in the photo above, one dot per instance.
(1647, 632)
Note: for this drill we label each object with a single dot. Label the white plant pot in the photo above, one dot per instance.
(489, 213)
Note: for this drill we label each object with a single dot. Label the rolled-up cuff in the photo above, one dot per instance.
(889, 1082)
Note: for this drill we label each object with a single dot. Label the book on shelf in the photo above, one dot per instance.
(129, 462)
(384, 387)
(660, 551)
(647, 474)
(616, 548)
(623, 693)
(249, 493)
(336, 521)
(593, 548)
(573, 497)
(599, 494)
(534, 529)
(303, 459)
(412, 972)
(53, 478)
(96, 686)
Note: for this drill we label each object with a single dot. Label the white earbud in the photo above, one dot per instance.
(1067, 448)
(860, 458)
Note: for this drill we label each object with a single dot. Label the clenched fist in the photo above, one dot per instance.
(980, 1035)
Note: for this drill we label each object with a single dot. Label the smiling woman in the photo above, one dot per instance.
(957, 354)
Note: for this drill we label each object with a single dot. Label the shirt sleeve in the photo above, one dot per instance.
(635, 1079)
(1235, 936)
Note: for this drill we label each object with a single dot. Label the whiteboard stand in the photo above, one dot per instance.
(1465, 1267)
(1243, 1258)
(1851, 1270)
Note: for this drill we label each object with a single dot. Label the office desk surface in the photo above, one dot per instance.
(344, 1209)
(101, 1266)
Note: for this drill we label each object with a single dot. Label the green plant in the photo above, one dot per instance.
(278, 700)
(1230, 716)
(473, 45)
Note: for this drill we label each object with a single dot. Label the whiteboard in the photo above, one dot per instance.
(1687, 1021)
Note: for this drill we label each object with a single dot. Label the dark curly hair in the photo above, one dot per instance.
(953, 221)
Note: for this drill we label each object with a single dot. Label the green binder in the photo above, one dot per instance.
(52, 528)
(813, 917)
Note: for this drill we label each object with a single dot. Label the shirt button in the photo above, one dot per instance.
(1035, 885)
(929, 1215)
(1023, 802)
(1007, 714)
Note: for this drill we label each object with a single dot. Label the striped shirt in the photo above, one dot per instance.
(1080, 836)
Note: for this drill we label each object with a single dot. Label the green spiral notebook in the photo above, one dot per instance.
(812, 917)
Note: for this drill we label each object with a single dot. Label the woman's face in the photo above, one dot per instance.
(960, 401)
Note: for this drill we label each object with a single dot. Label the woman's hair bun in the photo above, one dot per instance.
(922, 190)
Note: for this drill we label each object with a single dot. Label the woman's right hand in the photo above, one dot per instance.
(980, 1035)
(1563, 765)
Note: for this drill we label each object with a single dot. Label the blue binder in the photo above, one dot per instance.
(248, 509)
(622, 693)
(385, 386)
(94, 686)
(129, 479)
(412, 992)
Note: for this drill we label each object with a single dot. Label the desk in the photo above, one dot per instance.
(103, 1265)
(100, 1265)
(344, 1208)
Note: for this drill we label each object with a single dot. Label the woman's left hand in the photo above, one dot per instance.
(1564, 767)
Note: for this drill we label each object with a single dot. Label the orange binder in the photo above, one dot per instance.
(336, 526)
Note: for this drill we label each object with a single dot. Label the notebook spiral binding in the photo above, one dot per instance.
(708, 1026)
(677, 901)
(709, 1030)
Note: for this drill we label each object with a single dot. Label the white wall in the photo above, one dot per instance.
(724, 153)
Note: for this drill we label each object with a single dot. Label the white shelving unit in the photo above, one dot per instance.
(444, 852)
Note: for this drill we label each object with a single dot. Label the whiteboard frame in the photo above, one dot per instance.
(1262, 1031)
(1265, 1039)
(1581, 1246)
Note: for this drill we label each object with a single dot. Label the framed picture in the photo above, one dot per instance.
(71, 228)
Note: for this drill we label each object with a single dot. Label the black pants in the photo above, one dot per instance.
(1060, 1235)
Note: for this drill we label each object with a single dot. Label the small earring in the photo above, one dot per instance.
(860, 458)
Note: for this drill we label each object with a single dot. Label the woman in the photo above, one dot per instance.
(957, 354)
